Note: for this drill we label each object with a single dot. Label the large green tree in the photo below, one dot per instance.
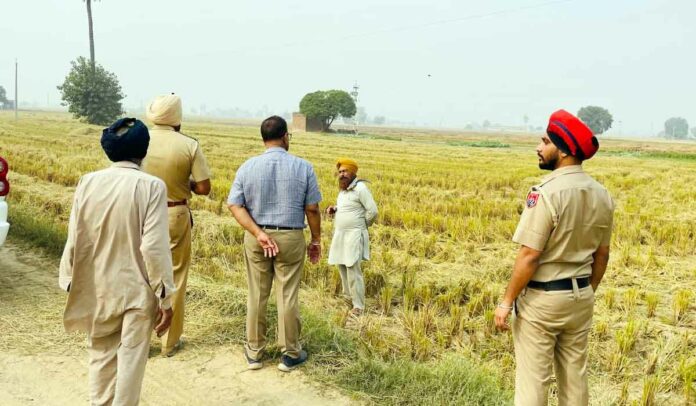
(327, 105)
(597, 118)
(92, 93)
(676, 127)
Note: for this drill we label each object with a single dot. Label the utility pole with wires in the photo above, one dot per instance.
(16, 101)
(354, 95)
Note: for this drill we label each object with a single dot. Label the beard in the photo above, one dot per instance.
(549, 164)
(344, 182)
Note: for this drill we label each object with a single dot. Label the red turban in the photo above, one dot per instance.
(571, 135)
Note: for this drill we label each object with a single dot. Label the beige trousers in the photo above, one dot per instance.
(550, 331)
(286, 271)
(353, 284)
(117, 361)
(180, 244)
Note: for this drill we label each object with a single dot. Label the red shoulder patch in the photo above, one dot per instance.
(532, 199)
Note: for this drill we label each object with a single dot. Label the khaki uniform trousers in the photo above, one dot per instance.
(117, 361)
(353, 284)
(180, 244)
(286, 271)
(550, 330)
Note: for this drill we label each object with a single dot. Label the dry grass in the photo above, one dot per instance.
(441, 248)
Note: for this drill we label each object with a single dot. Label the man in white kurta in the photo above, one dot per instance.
(354, 212)
(117, 266)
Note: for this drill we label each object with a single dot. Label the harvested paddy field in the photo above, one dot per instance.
(442, 253)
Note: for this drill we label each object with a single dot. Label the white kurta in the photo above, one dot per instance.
(355, 211)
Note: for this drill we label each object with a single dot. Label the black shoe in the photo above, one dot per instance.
(288, 363)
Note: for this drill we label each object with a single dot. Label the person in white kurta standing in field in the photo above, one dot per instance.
(354, 212)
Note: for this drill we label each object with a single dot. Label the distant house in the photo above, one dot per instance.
(300, 122)
(7, 105)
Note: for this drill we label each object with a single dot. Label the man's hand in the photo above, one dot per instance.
(200, 188)
(314, 251)
(164, 319)
(331, 211)
(270, 247)
(501, 315)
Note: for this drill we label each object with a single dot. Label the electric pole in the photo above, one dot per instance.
(354, 94)
(16, 103)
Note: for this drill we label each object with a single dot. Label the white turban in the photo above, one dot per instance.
(165, 110)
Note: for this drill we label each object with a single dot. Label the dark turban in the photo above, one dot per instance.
(125, 139)
(571, 135)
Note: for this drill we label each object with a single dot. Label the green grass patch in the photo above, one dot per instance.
(680, 156)
(385, 137)
(453, 380)
(35, 227)
(478, 144)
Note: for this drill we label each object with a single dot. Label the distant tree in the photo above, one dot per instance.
(676, 127)
(486, 124)
(327, 105)
(3, 98)
(693, 132)
(597, 118)
(92, 94)
(379, 120)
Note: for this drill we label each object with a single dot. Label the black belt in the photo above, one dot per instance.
(561, 284)
(280, 228)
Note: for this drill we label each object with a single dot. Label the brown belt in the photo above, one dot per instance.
(174, 204)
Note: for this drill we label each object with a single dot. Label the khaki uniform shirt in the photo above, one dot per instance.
(355, 211)
(567, 216)
(117, 255)
(175, 158)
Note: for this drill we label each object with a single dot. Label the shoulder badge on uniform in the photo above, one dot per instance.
(532, 199)
(188, 136)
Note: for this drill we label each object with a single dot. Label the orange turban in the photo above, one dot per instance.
(347, 163)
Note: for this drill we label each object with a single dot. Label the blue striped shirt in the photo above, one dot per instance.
(275, 187)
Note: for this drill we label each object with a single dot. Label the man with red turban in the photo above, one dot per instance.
(564, 233)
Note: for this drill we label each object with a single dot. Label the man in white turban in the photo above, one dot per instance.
(178, 160)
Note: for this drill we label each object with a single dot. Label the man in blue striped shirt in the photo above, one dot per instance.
(270, 197)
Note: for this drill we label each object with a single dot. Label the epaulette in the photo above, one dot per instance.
(541, 193)
(188, 136)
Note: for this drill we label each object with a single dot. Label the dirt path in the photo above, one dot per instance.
(38, 366)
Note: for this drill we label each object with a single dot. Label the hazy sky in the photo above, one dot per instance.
(495, 60)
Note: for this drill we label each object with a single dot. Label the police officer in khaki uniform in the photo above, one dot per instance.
(178, 160)
(564, 233)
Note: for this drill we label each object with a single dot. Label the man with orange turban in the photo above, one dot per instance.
(354, 212)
